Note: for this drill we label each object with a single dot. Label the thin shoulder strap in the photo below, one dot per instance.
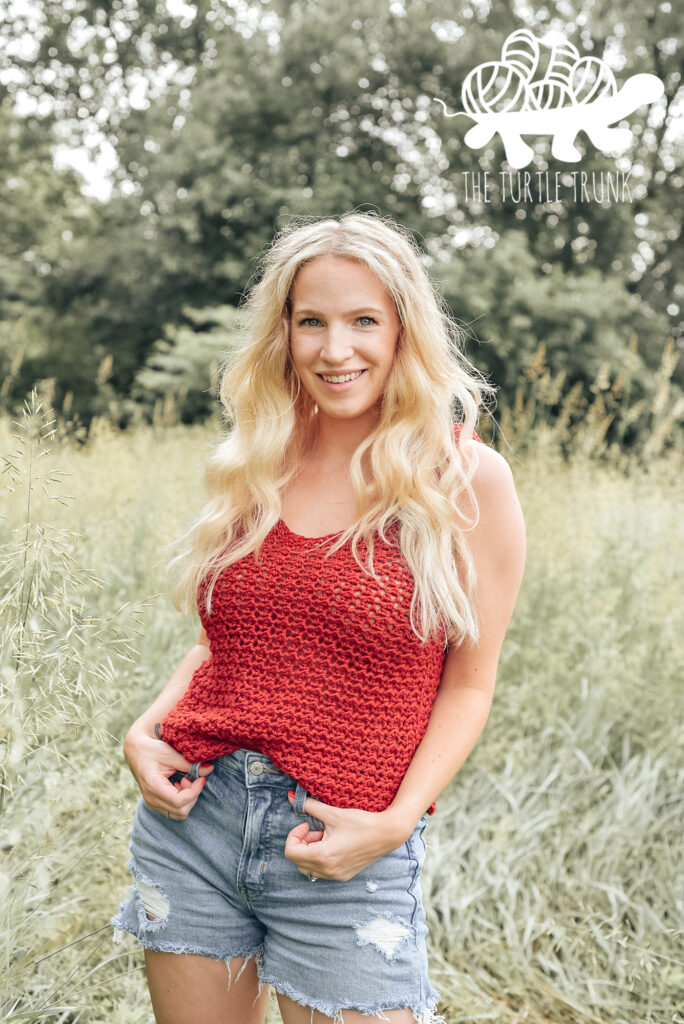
(458, 427)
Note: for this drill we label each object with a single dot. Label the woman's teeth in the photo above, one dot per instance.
(341, 380)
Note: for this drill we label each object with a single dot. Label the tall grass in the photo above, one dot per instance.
(553, 881)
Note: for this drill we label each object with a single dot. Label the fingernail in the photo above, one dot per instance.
(204, 782)
(207, 764)
(290, 792)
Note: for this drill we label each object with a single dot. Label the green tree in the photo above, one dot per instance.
(230, 120)
(184, 363)
(584, 320)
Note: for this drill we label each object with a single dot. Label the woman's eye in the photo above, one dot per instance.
(308, 319)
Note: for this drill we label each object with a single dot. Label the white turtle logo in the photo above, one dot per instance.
(576, 93)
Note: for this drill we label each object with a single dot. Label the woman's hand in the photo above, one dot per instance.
(152, 762)
(352, 839)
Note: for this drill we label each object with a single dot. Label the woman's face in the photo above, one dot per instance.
(343, 321)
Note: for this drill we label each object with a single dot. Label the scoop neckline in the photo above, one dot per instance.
(301, 536)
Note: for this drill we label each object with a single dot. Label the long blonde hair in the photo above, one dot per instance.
(417, 468)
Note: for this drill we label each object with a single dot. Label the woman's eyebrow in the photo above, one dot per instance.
(352, 312)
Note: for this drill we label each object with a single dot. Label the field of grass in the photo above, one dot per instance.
(553, 883)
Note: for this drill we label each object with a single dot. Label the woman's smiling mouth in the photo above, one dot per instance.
(337, 379)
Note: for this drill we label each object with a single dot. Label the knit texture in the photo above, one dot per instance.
(313, 663)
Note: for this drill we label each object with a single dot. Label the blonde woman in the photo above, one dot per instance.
(355, 566)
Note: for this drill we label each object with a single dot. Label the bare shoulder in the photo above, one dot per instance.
(501, 526)
(493, 485)
(491, 465)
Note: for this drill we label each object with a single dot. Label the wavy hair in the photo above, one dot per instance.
(418, 468)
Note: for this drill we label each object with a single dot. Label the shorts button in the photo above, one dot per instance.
(256, 768)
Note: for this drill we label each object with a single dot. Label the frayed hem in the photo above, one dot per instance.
(181, 947)
(429, 1016)
(426, 1015)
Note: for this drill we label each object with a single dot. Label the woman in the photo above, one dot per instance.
(355, 568)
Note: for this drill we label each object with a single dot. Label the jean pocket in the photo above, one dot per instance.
(416, 842)
(144, 809)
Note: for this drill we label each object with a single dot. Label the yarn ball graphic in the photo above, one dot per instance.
(506, 85)
(521, 51)
(546, 95)
(495, 88)
(562, 59)
(523, 94)
(592, 80)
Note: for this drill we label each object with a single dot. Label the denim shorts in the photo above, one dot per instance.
(218, 884)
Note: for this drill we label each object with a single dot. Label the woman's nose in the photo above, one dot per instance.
(336, 344)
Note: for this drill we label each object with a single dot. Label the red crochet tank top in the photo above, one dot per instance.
(314, 664)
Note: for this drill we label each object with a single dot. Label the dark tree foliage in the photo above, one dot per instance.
(228, 119)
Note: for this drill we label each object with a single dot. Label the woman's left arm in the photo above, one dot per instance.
(355, 838)
(464, 697)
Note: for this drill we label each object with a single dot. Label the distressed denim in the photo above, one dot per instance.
(218, 884)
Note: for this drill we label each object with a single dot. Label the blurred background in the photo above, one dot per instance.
(150, 149)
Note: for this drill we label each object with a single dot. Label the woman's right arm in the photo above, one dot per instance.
(174, 689)
(152, 761)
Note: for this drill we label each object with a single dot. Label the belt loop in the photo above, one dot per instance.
(299, 798)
